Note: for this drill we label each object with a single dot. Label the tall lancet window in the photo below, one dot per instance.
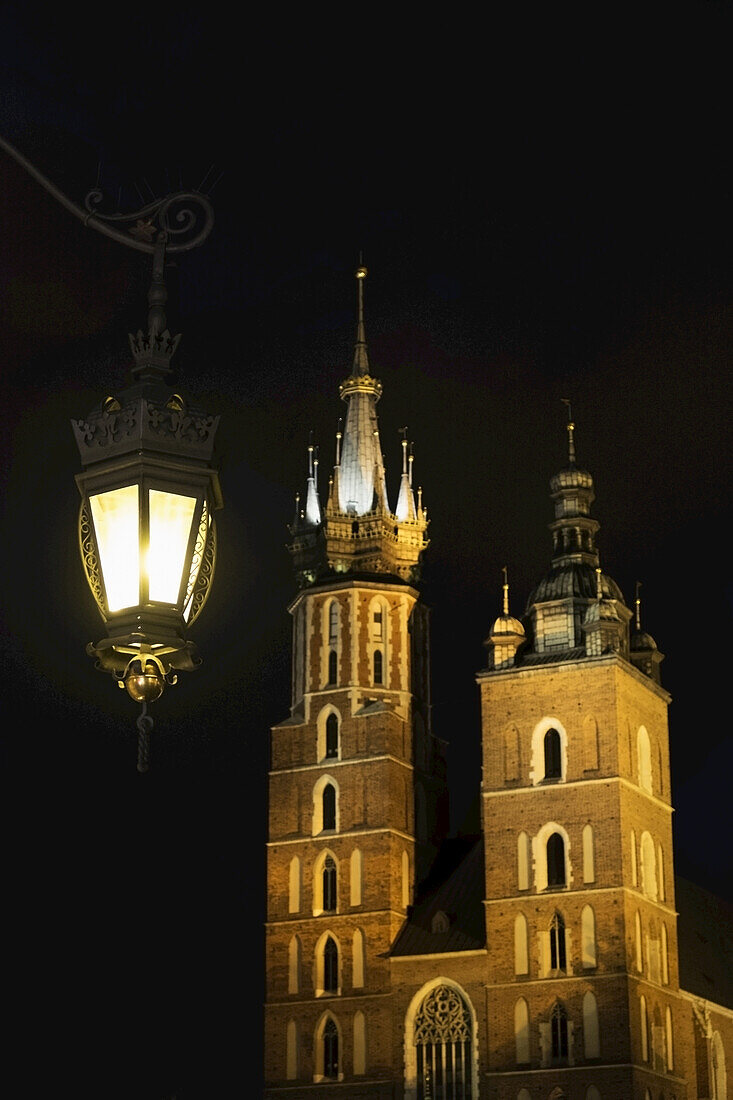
(443, 1045)
(329, 807)
(553, 759)
(330, 1050)
(332, 667)
(559, 1034)
(555, 860)
(332, 736)
(330, 966)
(378, 667)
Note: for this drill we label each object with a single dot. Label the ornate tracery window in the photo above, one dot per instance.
(443, 1045)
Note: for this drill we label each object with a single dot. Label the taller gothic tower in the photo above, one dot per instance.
(357, 780)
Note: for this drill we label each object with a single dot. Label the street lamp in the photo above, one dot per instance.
(147, 532)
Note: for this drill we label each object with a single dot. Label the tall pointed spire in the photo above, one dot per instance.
(361, 475)
(357, 532)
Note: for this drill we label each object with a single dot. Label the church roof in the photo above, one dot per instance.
(454, 887)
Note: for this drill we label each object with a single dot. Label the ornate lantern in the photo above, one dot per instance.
(146, 523)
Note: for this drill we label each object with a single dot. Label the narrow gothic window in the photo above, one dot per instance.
(329, 807)
(555, 860)
(329, 885)
(553, 764)
(558, 959)
(332, 734)
(378, 659)
(378, 624)
(333, 621)
(332, 667)
(330, 1050)
(330, 966)
(559, 1033)
(443, 1044)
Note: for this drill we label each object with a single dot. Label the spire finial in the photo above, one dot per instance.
(571, 429)
(637, 602)
(505, 588)
(361, 365)
(599, 586)
(403, 433)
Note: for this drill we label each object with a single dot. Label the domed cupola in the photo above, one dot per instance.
(643, 651)
(507, 635)
(575, 602)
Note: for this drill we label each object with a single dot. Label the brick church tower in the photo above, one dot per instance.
(581, 927)
(357, 781)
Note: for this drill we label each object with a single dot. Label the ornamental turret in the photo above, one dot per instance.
(357, 532)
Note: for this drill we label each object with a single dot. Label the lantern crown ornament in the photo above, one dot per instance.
(149, 491)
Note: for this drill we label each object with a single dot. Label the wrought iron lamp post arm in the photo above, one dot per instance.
(184, 217)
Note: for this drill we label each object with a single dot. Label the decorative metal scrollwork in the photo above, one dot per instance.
(185, 218)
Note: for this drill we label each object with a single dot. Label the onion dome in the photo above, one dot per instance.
(643, 651)
(507, 634)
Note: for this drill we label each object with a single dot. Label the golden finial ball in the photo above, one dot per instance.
(361, 272)
(144, 683)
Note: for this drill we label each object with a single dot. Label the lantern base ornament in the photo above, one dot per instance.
(141, 668)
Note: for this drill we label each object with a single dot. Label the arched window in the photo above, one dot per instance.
(521, 952)
(357, 959)
(665, 955)
(359, 1043)
(637, 942)
(660, 868)
(378, 667)
(330, 966)
(523, 862)
(591, 1031)
(330, 1042)
(291, 1051)
(589, 871)
(592, 1093)
(294, 955)
(559, 1034)
(644, 759)
(553, 757)
(521, 1032)
(549, 751)
(643, 1029)
(294, 886)
(524, 1094)
(378, 624)
(634, 867)
(329, 885)
(332, 735)
(325, 805)
(332, 667)
(558, 957)
(588, 938)
(357, 861)
(555, 860)
(329, 806)
(443, 1042)
(648, 866)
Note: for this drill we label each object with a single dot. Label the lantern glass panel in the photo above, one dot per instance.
(117, 529)
(171, 516)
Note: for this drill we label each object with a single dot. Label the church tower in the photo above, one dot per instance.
(582, 975)
(357, 780)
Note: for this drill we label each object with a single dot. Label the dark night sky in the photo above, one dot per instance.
(541, 220)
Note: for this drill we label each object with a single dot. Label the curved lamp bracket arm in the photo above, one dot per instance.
(183, 218)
